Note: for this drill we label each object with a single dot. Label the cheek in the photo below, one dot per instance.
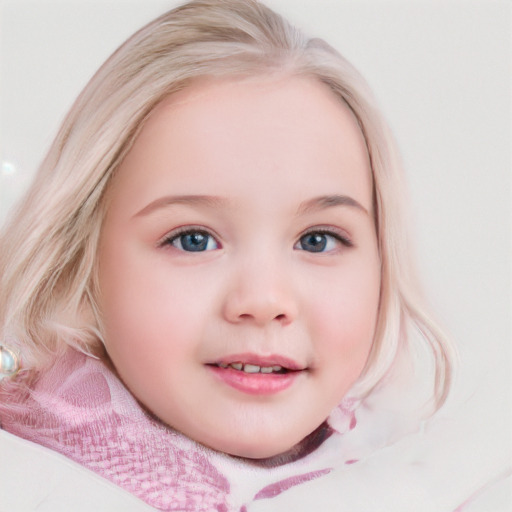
(345, 322)
(144, 311)
(155, 315)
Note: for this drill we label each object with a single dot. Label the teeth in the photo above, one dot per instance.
(251, 368)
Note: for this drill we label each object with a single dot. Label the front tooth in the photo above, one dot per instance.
(237, 366)
(251, 368)
(266, 369)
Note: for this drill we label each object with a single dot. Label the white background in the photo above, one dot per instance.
(442, 73)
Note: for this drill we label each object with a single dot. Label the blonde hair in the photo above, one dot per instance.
(48, 249)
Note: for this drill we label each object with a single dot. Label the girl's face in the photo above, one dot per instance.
(239, 268)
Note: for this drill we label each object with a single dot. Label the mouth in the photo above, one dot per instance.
(256, 375)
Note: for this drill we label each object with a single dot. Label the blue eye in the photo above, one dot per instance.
(319, 241)
(193, 241)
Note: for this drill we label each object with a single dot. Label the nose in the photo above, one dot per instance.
(260, 294)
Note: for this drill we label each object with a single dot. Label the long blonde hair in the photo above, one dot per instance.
(48, 284)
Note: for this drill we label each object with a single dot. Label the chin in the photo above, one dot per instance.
(255, 449)
(278, 451)
(261, 452)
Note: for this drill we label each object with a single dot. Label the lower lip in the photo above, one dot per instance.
(255, 383)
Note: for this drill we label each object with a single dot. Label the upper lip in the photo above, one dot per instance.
(262, 361)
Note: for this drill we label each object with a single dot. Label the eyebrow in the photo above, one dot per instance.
(323, 202)
(315, 204)
(190, 200)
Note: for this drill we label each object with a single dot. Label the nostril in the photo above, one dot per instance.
(258, 307)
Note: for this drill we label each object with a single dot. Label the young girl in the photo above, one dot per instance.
(206, 294)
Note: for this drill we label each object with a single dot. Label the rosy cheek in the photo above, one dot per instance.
(346, 322)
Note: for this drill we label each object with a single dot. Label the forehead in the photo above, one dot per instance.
(285, 130)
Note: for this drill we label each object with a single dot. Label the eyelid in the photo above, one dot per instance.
(184, 230)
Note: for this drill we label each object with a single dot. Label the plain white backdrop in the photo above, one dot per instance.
(441, 71)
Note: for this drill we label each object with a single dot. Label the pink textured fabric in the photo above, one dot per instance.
(81, 409)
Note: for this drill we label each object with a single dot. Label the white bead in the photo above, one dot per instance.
(8, 362)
